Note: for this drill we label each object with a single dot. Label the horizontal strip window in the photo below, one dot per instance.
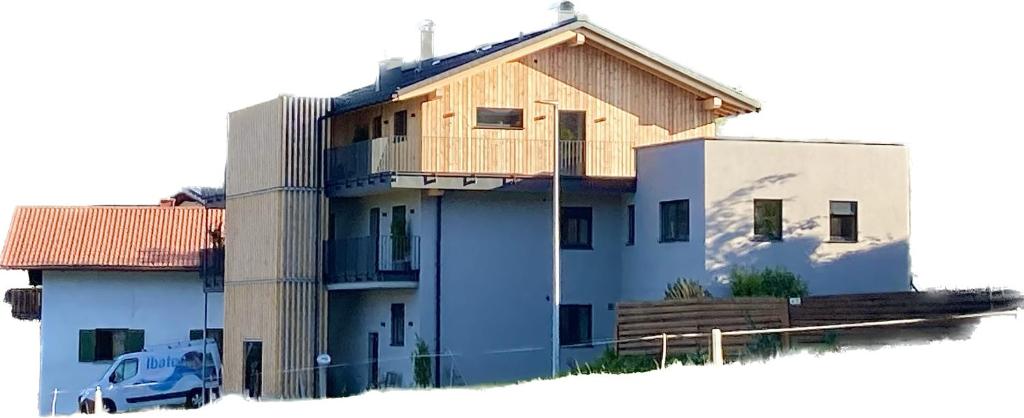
(499, 118)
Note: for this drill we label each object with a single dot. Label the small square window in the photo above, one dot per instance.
(574, 325)
(843, 221)
(675, 221)
(577, 228)
(491, 117)
(767, 219)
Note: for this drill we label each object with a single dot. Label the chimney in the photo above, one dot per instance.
(427, 39)
(566, 11)
(385, 75)
(166, 203)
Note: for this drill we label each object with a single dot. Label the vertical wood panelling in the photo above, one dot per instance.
(272, 249)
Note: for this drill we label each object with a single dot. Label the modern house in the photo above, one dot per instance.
(113, 280)
(419, 207)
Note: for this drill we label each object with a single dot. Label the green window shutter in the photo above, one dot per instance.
(196, 334)
(135, 340)
(86, 345)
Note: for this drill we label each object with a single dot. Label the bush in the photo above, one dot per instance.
(774, 282)
(612, 363)
(686, 289)
(421, 363)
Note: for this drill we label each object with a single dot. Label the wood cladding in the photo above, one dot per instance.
(272, 251)
(625, 107)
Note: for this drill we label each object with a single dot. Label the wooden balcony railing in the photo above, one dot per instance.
(477, 156)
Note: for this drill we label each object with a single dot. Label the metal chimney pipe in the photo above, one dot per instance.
(427, 40)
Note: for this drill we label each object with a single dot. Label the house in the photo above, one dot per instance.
(113, 279)
(420, 208)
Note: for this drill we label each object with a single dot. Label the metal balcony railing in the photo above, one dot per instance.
(476, 155)
(372, 259)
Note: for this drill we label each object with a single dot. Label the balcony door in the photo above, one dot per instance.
(572, 134)
(375, 239)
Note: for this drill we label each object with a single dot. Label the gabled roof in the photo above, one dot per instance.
(407, 80)
(108, 237)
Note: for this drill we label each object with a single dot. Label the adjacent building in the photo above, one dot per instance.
(114, 279)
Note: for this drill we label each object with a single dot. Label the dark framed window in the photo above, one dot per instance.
(376, 130)
(575, 325)
(361, 133)
(767, 219)
(499, 118)
(216, 333)
(842, 221)
(577, 227)
(397, 324)
(401, 127)
(675, 220)
(630, 225)
(106, 344)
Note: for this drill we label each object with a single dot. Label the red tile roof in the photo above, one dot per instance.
(108, 237)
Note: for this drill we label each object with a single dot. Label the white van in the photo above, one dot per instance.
(157, 376)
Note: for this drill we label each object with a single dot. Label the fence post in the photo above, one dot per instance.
(322, 361)
(97, 406)
(53, 403)
(664, 349)
(716, 347)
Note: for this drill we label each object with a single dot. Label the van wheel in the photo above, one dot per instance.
(194, 399)
(108, 405)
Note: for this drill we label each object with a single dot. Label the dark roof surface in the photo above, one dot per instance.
(405, 75)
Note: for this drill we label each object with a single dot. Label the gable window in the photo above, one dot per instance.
(577, 228)
(107, 344)
(675, 220)
(216, 333)
(397, 324)
(842, 221)
(630, 225)
(499, 118)
(574, 325)
(767, 219)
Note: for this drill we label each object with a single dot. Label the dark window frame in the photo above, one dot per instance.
(400, 126)
(668, 208)
(833, 217)
(376, 127)
(775, 235)
(516, 122)
(566, 332)
(630, 224)
(398, 325)
(574, 213)
(99, 345)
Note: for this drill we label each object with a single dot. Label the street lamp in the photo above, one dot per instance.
(556, 263)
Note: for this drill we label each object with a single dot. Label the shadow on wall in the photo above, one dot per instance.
(873, 264)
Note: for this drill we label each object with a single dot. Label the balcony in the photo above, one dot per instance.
(475, 156)
(372, 262)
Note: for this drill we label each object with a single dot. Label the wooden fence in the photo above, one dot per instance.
(25, 303)
(644, 319)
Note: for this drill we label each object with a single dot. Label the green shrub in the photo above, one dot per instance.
(421, 363)
(774, 282)
(686, 289)
(612, 363)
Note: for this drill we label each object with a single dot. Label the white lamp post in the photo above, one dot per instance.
(556, 264)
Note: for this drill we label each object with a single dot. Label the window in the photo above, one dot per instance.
(397, 324)
(675, 221)
(124, 371)
(630, 225)
(361, 133)
(401, 125)
(490, 117)
(216, 333)
(576, 228)
(376, 130)
(574, 325)
(767, 220)
(107, 344)
(843, 221)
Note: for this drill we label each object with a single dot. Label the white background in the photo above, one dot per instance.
(126, 102)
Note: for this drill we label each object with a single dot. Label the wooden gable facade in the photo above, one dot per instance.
(621, 102)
